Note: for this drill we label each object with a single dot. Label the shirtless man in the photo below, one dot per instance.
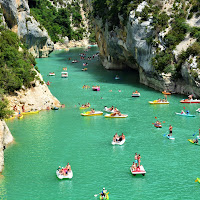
(123, 136)
(68, 167)
(170, 130)
(136, 159)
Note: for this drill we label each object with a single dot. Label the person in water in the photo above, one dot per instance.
(170, 130)
(136, 159)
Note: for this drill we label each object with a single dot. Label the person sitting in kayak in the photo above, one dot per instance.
(115, 110)
(170, 131)
(112, 107)
(92, 111)
(182, 112)
(88, 104)
(159, 100)
(187, 112)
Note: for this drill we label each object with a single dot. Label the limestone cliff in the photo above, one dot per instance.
(18, 19)
(126, 45)
(5, 139)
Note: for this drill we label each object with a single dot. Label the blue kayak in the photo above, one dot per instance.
(186, 115)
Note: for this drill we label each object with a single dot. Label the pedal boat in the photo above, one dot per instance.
(52, 74)
(190, 101)
(158, 102)
(88, 113)
(96, 88)
(138, 171)
(166, 93)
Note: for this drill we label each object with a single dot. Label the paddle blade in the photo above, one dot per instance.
(156, 117)
(95, 195)
(196, 180)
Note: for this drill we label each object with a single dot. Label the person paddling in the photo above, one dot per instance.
(170, 130)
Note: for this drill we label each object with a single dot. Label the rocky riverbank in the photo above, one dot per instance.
(5, 139)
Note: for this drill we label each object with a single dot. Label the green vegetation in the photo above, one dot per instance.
(57, 22)
(16, 67)
(4, 111)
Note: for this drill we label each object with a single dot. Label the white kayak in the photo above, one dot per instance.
(170, 137)
(118, 142)
(136, 94)
(184, 114)
(140, 170)
(61, 176)
(106, 109)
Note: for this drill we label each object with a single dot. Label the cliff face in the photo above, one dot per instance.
(18, 19)
(5, 139)
(126, 46)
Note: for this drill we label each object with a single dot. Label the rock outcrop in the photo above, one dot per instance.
(126, 46)
(5, 138)
(38, 97)
(18, 19)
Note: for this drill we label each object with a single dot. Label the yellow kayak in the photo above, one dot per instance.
(31, 112)
(113, 115)
(20, 117)
(156, 102)
(106, 198)
(84, 107)
(88, 113)
(190, 140)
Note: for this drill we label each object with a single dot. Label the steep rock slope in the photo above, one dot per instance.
(18, 18)
(153, 37)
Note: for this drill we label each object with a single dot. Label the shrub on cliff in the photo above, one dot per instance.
(15, 66)
(4, 111)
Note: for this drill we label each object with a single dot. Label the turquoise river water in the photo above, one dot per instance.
(52, 138)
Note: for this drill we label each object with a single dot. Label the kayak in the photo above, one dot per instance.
(135, 95)
(158, 125)
(11, 118)
(115, 116)
(88, 113)
(117, 78)
(186, 115)
(190, 101)
(197, 180)
(140, 170)
(156, 102)
(166, 93)
(30, 112)
(190, 140)
(118, 142)
(52, 74)
(170, 137)
(106, 198)
(84, 107)
(61, 176)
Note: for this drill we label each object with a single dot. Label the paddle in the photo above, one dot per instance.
(194, 133)
(96, 195)
(165, 134)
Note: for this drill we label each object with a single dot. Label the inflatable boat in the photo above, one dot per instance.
(138, 171)
(118, 142)
(88, 113)
(190, 101)
(186, 115)
(61, 176)
(158, 102)
(113, 115)
(158, 125)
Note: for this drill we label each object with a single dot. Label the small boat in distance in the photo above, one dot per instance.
(166, 93)
(89, 113)
(84, 69)
(158, 102)
(96, 88)
(190, 101)
(52, 74)
(64, 74)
